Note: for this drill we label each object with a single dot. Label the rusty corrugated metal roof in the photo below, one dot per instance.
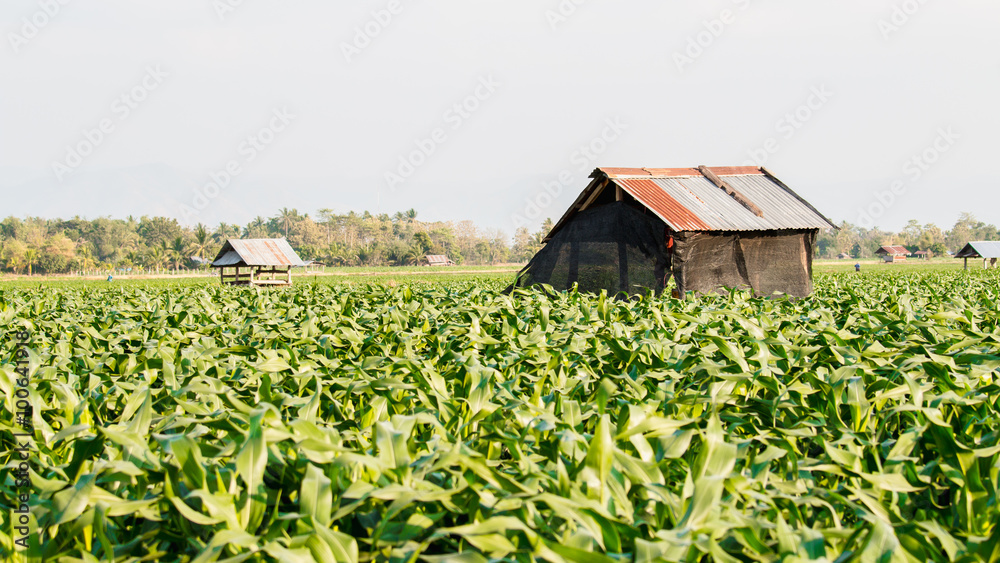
(893, 250)
(662, 203)
(688, 201)
(257, 252)
(676, 172)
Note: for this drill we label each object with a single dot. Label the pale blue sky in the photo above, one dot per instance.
(307, 114)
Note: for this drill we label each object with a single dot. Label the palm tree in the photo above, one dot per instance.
(411, 215)
(285, 218)
(156, 257)
(201, 240)
(84, 256)
(30, 259)
(365, 255)
(411, 257)
(179, 251)
(221, 232)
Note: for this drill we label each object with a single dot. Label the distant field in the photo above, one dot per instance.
(423, 274)
(358, 277)
(935, 265)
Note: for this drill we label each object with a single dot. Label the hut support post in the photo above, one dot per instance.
(623, 266)
(966, 262)
(289, 274)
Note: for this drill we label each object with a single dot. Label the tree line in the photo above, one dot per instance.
(56, 246)
(858, 242)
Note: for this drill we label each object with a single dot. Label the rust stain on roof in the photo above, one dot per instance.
(693, 199)
(894, 250)
(616, 172)
(666, 207)
(735, 170)
(672, 172)
(679, 172)
(257, 252)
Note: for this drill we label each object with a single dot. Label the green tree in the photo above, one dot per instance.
(156, 257)
(423, 242)
(30, 259)
(285, 218)
(155, 230)
(202, 241)
(14, 255)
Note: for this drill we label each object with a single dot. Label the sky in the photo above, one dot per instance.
(209, 111)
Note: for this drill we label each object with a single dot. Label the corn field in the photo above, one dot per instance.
(453, 423)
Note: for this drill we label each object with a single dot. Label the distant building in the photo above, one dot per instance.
(893, 253)
(438, 260)
(256, 262)
(989, 251)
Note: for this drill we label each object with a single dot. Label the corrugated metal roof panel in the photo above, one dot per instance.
(893, 250)
(982, 248)
(258, 252)
(735, 170)
(782, 208)
(687, 201)
(230, 258)
(673, 213)
(672, 172)
(615, 172)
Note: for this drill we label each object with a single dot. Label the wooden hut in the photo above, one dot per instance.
(633, 228)
(988, 250)
(893, 253)
(438, 260)
(256, 262)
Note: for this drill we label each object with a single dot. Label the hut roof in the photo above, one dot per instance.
(893, 250)
(438, 260)
(980, 249)
(257, 252)
(735, 198)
